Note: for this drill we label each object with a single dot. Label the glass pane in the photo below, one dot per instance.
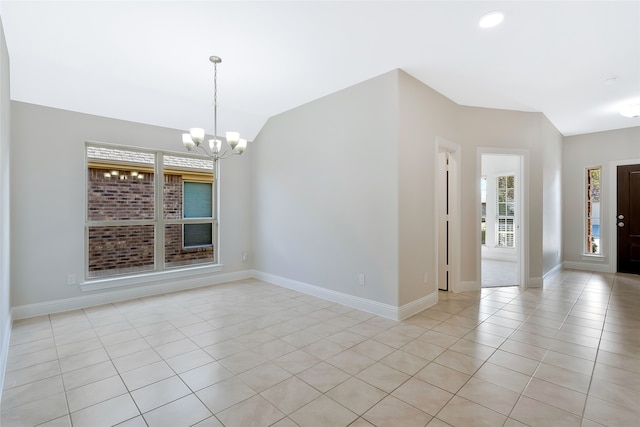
(119, 194)
(120, 249)
(177, 255)
(510, 196)
(116, 155)
(502, 209)
(502, 182)
(197, 235)
(511, 209)
(511, 181)
(197, 200)
(187, 163)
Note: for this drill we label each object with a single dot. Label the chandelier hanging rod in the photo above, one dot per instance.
(216, 151)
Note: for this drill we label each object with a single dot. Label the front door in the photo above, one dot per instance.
(628, 219)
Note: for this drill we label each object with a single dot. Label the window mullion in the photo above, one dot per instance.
(159, 211)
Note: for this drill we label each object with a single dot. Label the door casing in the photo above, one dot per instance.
(610, 222)
(523, 231)
(627, 174)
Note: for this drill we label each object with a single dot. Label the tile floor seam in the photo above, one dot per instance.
(463, 308)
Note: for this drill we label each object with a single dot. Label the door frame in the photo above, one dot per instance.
(522, 233)
(613, 207)
(454, 150)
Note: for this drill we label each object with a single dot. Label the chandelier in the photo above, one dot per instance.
(217, 150)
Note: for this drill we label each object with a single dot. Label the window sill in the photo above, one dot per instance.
(150, 278)
(593, 257)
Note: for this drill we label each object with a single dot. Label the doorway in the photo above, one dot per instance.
(500, 219)
(447, 215)
(628, 219)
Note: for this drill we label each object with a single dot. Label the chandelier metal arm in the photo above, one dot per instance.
(195, 137)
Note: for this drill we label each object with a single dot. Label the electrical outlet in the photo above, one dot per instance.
(426, 277)
(361, 279)
(71, 279)
(244, 257)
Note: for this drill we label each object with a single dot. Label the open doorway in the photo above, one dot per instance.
(447, 215)
(500, 219)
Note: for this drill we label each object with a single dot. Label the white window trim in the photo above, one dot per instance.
(586, 255)
(160, 271)
(515, 225)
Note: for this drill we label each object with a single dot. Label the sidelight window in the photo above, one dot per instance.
(592, 231)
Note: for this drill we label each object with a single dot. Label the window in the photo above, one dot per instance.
(505, 211)
(147, 211)
(592, 241)
(483, 210)
(196, 203)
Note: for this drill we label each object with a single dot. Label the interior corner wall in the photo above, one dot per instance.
(48, 201)
(5, 192)
(326, 192)
(5, 204)
(424, 115)
(551, 139)
(511, 131)
(580, 152)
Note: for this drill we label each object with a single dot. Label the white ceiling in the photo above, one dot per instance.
(147, 61)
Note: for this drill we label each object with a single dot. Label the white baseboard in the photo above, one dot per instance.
(587, 266)
(554, 271)
(534, 282)
(84, 301)
(416, 306)
(4, 352)
(373, 307)
(109, 296)
(468, 286)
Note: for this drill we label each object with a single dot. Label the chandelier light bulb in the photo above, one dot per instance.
(197, 134)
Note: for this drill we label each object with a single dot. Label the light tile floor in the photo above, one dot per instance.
(253, 354)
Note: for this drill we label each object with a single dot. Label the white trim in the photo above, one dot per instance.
(593, 257)
(373, 307)
(468, 286)
(455, 152)
(170, 285)
(534, 282)
(4, 352)
(522, 236)
(416, 306)
(602, 268)
(555, 270)
(153, 277)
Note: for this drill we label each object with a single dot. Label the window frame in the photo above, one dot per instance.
(159, 222)
(588, 210)
(200, 220)
(506, 217)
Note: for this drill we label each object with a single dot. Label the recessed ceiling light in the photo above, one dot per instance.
(491, 19)
(631, 110)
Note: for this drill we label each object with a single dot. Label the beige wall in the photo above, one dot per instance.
(49, 214)
(5, 205)
(345, 185)
(607, 150)
(424, 115)
(326, 192)
(336, 188)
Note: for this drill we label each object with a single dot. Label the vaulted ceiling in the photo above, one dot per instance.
(147, 61)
